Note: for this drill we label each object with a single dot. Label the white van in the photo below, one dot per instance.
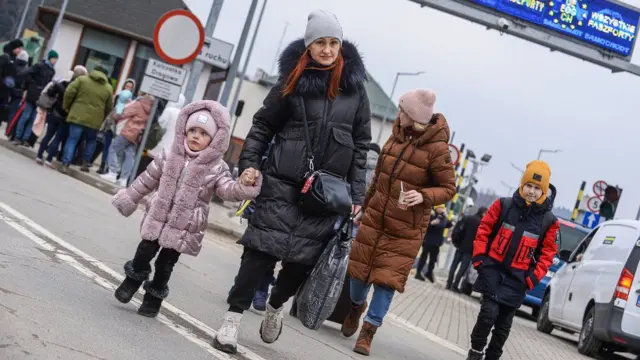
(597, 293)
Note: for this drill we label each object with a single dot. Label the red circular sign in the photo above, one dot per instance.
(593, 203)
(599, 187)
(455, 154)
(178, 37)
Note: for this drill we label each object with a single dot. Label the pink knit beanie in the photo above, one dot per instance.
(203, 120)
(418, 104)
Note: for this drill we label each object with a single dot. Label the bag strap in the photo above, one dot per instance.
(505, 206)
(548, 220)
(307, 137)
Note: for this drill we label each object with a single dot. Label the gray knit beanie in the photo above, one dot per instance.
(322, 24)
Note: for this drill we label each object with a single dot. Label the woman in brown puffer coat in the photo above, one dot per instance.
(415, 161)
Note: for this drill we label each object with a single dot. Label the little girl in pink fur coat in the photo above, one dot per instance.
(182, 179)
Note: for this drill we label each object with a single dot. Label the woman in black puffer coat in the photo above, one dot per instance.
(324, 75)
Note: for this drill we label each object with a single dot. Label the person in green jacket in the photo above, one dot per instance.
(88, 100)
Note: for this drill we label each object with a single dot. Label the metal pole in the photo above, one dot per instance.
(453, 135)
(197, 66)
(21, 23)
(384, 119)
(245, 68)
(539, 154)
(275, 61)
(467, 191)
(233, 70)
(56, 27)
(516, 167)
(145, 136)
(574, 215)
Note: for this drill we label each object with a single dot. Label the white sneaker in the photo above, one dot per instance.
(122, 182)
(271, 326)
(227, 338)
(110, 176)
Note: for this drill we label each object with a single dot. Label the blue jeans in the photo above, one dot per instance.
(108, 137)
(23, 131)
(75, 135)
(14, 105)
(122, 147)
(380, 303)
(54, 123)
(58, 143)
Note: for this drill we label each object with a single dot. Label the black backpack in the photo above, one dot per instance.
(457, 232)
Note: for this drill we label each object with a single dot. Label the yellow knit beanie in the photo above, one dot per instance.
(539, 173)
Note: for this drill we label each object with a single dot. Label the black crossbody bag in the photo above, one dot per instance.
(323, 193)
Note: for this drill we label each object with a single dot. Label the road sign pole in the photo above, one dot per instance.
(233, 69)
(142, 144)
(574, 215)
(21, 23)
(56, 27)
(245, 68)
(197, 66)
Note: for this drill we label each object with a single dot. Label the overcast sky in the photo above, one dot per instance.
(501, 95)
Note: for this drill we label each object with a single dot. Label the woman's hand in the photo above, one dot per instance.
(413, 198)
(249, 177)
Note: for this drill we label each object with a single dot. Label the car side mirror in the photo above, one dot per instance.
(564, 255)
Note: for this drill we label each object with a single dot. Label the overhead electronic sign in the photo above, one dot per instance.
(602, 23)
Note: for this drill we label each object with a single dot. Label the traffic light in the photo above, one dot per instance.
(610, 202)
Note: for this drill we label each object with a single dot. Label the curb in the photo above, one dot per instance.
(104, 186)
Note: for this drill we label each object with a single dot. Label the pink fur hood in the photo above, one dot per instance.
(178, 210)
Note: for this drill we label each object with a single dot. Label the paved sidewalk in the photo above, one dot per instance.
(451, 317)
(221, 217)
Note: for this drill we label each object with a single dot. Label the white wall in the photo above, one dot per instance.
(130, 57)
(201, 87)
(66, 46)
(375, 129)
(254, 94)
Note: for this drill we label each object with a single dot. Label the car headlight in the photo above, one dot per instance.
(550, 274)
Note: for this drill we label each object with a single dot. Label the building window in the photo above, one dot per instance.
(100, 48)
(140, 61)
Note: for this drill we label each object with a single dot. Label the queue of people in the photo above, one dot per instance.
(83, 117)
(316, 118)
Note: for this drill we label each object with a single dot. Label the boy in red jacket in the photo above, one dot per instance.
(513, 249)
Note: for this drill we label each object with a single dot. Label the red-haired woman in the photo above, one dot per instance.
(321, 80)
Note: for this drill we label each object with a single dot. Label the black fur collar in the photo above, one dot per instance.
(315, 82)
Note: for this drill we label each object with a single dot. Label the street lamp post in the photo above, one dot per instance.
(393, 90)
(547, 151)
(516, 167)
(477, 165)
(511, 188)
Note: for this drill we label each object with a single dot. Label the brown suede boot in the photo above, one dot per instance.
(363, 344)
(352, 321)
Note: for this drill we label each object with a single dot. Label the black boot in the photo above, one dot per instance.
(124, 293)
(419, 276)
(152, 300)
(85, 166)
(103, 169)
(474, 355)
(132, 282)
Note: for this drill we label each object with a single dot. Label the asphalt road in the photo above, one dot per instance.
(62, 247)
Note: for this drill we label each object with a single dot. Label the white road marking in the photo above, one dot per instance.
(62, 255)
(436, 339)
